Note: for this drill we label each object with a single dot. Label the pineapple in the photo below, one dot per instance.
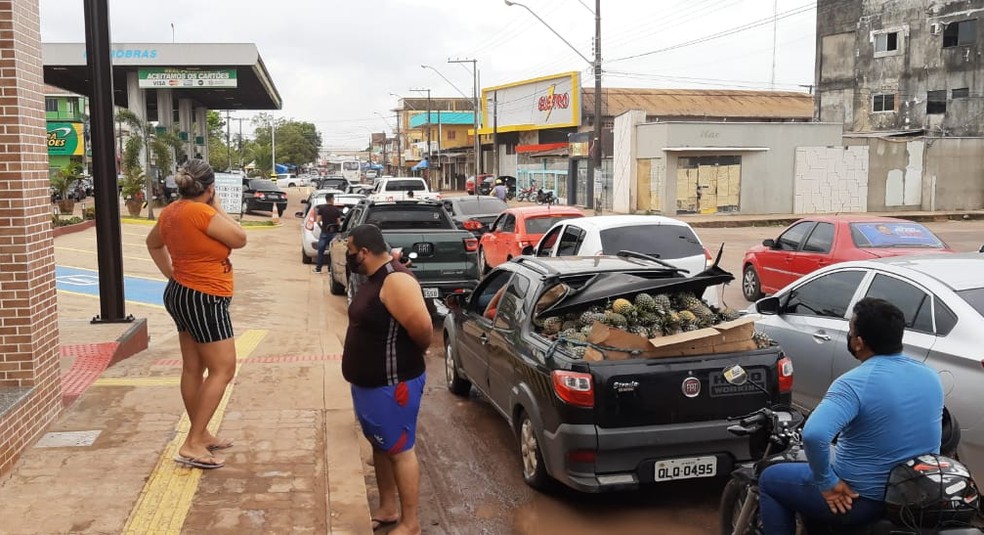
(728, 314)
(586, 330)
(686, 300)
(688, 321)
(645, 303)
(578, 351)
(705, 317)
(615, 319)
(569, 334)
(671, 322)
(662, 304)
(552, 325)
(621, 306)
(762, 340)
(648, 319)
(656, 331)
(588, 318)
(569, 325)
(640, 330)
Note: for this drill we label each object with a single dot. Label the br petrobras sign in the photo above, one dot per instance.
(547, 102)
(186, 78)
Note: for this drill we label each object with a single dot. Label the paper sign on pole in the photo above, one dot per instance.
(229, 188)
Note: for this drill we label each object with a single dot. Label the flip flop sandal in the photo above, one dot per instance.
(221, 446)
(382, 523)
(198, 462)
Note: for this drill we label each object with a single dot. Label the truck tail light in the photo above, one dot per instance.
(785, 369)
(574, 388)
(581, 457)
(471, 245)
(472, 224)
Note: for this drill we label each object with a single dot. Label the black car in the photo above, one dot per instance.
(474, 214)
(333, 182)
(488, 184)
(262, 194)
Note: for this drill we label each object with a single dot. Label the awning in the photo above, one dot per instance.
(715, 149)
(541, 147)
(281, 168)
(422, 165)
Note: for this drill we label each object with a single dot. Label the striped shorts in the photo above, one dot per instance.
(204, 316)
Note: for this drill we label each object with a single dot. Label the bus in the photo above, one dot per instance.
(351, 170)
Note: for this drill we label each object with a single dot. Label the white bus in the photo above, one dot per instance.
(352, 170)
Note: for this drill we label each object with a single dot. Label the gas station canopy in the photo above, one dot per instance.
(216, 76)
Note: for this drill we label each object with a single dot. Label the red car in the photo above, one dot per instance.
(470, 183)
(812, 243)
(516, 228)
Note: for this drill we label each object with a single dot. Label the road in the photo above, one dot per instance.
(471, 481)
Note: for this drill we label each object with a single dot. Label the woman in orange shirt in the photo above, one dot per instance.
(190, 244)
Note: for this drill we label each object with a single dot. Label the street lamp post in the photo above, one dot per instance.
(477, 143)
(595, 163)
(428, 91)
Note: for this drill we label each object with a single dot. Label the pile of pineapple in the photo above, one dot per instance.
(649, 316)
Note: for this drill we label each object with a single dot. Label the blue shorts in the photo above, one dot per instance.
(388, 414)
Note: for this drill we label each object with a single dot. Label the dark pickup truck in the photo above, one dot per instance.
(610, 424)
(444, 258)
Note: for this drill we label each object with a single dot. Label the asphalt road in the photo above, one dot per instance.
(471, 473)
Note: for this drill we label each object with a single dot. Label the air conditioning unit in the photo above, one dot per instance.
(935, 28)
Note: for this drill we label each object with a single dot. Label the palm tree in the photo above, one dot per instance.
(160, 143)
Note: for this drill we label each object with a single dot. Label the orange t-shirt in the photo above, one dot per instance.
(198, 261)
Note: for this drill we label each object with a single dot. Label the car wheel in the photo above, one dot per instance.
(305, 259)
(483, 264)
(456, 384)
(245, 207)
(751, 286)
(333, 286)
(534, 471)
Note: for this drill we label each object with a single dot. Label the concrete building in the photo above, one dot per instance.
(67, 115)
(411, 133)
(901, 66)
(452, 150)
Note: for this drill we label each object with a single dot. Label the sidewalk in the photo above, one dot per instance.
(106, 465)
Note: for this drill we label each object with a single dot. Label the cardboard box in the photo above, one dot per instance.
(728, 337)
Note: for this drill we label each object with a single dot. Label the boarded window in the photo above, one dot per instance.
(887, 42)
(962, 92)
(936, 102)
(883, 102)
(960, 33)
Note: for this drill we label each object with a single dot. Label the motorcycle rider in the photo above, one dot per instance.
(887, 410)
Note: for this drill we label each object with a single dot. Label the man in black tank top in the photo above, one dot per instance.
(389, 331)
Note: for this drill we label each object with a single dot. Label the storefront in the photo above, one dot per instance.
(66, 144)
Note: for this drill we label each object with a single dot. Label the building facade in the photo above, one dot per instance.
(67, 116)
(901, 66)
(411, 139)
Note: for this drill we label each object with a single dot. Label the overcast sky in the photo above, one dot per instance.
(335, 62)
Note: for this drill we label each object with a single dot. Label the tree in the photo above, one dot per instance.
(297, 142)
(160, 143)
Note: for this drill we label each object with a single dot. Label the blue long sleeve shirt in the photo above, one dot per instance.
(887, 410)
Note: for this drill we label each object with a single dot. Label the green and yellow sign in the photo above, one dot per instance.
(65, 139)
(162, 78)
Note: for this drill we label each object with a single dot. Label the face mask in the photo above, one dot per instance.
(353, 263)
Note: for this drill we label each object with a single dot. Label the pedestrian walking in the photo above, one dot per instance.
(190, 245)
(330, 220)
(389, 332)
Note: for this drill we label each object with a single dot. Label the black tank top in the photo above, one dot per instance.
(378, 350)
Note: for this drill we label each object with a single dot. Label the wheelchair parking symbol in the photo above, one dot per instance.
(78, 280)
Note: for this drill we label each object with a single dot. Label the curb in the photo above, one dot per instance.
(133, 341)
(786, 220)
(71, 229)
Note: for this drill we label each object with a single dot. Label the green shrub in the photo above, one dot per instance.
(89, 213)
(64, 222)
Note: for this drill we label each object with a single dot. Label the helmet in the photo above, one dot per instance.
(498, 182)
(931, 491)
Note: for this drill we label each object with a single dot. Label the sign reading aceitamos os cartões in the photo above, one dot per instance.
(186, 78)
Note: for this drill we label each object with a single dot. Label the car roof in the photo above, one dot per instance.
(854, 219)
(960, 271)
(572, 265)
(530, 211)
(601, 222)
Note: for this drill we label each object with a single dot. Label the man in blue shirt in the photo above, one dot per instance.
(887, 410)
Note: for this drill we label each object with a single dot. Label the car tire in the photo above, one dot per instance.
(305, 259)
(458, 385)
(333, 286)
(751, 285)
(245, 207)
(534, 471)
(483, 263)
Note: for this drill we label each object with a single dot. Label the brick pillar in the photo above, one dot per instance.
(30, 391)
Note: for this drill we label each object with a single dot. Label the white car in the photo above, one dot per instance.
(665, 238)
(289, 180)
(310, 230)
(401, 189)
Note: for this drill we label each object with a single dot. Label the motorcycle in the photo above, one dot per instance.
(775, 435)
(527, 194)
(545, 197)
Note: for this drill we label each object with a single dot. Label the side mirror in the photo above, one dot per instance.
(529, 250)
(299, 214)
(769, 306)
(770, 243)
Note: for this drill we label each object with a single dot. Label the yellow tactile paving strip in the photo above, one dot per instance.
(166, 498)
(138, 381)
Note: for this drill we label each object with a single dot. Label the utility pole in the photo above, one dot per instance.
(478, 146)
(399, 148)
(495, 136)
(273, 147)
(428, 125)
(594, 166)
(228, 142)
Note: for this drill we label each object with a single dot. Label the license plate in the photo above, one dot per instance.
(690, 468)
(431, 293)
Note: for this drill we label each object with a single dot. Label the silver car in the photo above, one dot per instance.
(942, 297)
(310, 230)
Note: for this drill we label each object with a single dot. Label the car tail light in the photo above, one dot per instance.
(309, 224)
(708, 259)
(471, 245)
(582, 457)
(785, 369)
(574, 388)
(472, 224)
(438, 196)
(258, 195)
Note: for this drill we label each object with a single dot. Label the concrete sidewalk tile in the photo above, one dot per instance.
(347, 498)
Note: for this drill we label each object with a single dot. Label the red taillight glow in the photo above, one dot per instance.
(309, 224)
(258, 195)
(785, 368)
(582, 457)
(574, 388)
(471, 245)
(472, 224)
(708, 259)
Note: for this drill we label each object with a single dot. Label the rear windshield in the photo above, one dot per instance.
(540, 225)
(262, 185)
(661, 241)
(334, 183)
(479, 207)
(893, 234)
(405, 185)
(350, 166)
(409, 217)
(975, 298)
